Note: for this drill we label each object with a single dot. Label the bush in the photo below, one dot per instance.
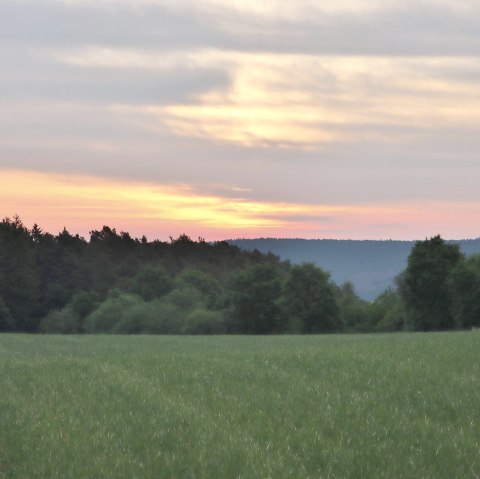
(355, 313)
(155, 317)
(133, 320)
(388, 312)
(202, 321)
(184, 298)
(163, 318)
(63, 320)
(208, 287)
(111, 313)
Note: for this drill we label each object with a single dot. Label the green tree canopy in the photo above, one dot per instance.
(152, 281)
(425, 284)
(310, 299)
(6, 320)
(204, 283)
(255, 298)
(465, 290)
(19, 275)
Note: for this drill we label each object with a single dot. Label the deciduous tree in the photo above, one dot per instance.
(310, 299)
(424, 286)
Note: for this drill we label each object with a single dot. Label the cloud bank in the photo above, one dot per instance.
(326, 104)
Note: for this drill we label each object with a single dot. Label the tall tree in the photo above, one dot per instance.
(19, 276)
(6, 320)
(424, 285)
(465, 289)
(310, 299)
(255, 297)
(150, 282)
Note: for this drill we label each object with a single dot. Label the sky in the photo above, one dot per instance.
(242, 118)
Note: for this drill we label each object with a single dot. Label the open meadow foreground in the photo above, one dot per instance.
(393, 405)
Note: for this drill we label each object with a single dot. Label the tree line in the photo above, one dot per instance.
(114, 283)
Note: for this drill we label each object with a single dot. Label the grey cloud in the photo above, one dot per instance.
(101, 85)
(423, 30)
(360, 172)
(468, 72)
(70, 25)
(30, 30)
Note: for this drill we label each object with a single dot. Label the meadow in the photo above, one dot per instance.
(331, 406)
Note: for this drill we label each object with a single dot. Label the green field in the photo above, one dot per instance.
(399, 405)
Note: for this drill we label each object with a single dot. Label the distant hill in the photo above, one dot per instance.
(370, 265)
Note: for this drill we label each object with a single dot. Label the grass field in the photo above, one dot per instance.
(400, 405)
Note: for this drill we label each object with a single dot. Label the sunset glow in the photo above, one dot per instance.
(243, 118)
(82, 203)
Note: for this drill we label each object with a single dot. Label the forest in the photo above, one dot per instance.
(114, 283)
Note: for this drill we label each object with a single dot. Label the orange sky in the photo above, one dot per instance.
(82, 203)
